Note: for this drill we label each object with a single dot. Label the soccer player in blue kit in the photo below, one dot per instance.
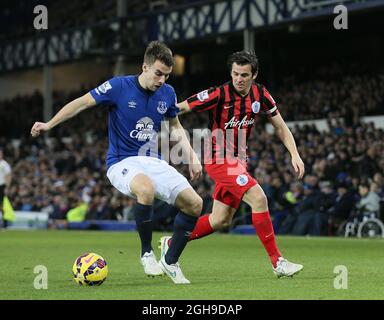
(137, 106)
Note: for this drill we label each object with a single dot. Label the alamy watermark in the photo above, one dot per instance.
(41, 20)
(41, 280)
(340, 22)
(217, 146)
(341, 279)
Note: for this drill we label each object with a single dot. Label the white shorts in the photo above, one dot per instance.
(168, 182)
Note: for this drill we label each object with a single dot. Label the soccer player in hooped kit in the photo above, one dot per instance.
(233, 108)
(137, 106)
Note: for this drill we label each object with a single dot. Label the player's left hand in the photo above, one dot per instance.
(298, 165)
(195, 171)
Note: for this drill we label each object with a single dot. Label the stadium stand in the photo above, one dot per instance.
(70, 15)
(71, 170)
(59, 172)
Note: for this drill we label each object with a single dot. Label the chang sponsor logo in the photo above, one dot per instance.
(144, 130)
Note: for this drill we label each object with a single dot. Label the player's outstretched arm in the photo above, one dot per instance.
(288, 140)
(68, 111)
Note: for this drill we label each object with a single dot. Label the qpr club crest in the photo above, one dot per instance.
(242, 180)
(256, 106)
(162, 107)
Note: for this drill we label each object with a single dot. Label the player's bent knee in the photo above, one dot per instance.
(259, 200)
(145, 193)
(195, 207)
(189, 202)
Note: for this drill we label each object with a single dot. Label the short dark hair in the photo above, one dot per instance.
(157, 50)
(364, 185)
(342, 184)
(243, 58)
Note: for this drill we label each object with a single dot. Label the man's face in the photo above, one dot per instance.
(242, 78)
(341, 190)
(363, 191)
(155, 75)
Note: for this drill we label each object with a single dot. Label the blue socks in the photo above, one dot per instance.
(143, 217)
(182, 228)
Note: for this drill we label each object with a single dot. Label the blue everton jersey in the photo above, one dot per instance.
(135, 116)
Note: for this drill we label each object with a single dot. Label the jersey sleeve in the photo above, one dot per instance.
(173, 109)
(107, 92)
(204, 100)
(268, 105)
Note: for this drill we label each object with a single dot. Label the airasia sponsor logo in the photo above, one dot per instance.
(234, 122)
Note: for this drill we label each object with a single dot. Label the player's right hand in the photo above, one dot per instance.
(195, 171)
(298, 166)
(39, 127)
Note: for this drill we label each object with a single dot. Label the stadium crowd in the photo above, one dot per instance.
(348, 97)
(16, 18)
(344, 166)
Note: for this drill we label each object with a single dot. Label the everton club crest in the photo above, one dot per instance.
(162, 107)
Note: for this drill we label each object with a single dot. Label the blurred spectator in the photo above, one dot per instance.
(367, 164)
(5, 182)
(369, 202)
(341, 209)
(327, 201)
(378, 179)
(287, 211)
(306, 210)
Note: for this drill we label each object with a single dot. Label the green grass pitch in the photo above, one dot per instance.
(220, 266)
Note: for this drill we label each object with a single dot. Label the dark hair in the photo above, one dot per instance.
(157, 50)
(364, 185)
(243, 58)
(342, 184)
